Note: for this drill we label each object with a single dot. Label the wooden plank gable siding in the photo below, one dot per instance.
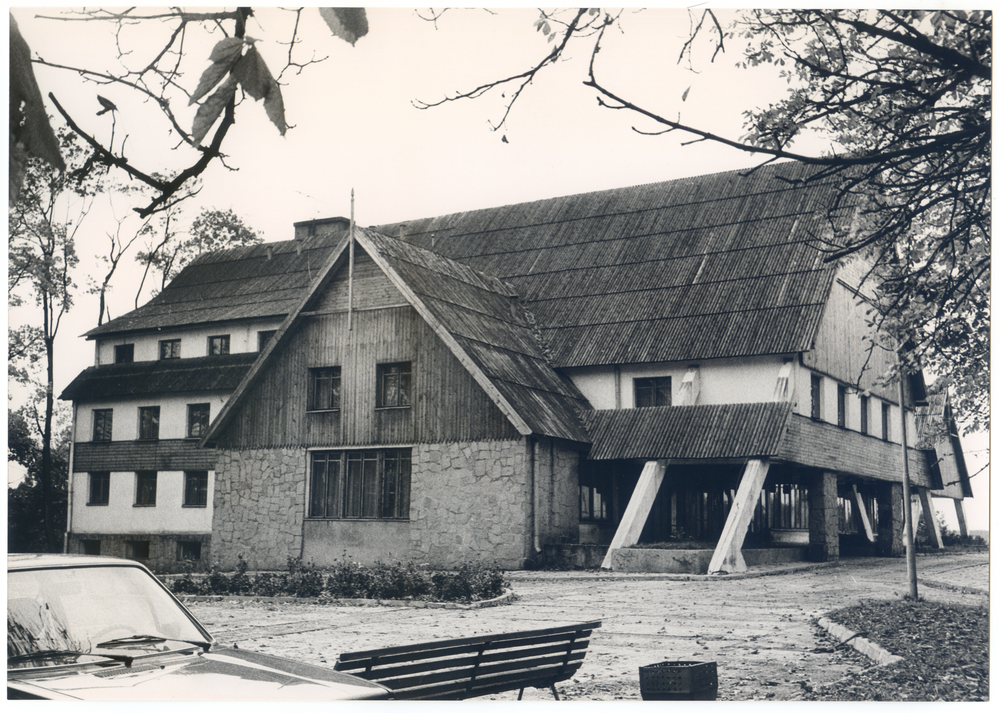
(843, 347)
(447, 403)
(629, 275)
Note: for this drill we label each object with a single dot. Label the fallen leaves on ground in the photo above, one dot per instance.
(945, 650)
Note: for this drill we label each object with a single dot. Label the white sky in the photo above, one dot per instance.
(354, 126)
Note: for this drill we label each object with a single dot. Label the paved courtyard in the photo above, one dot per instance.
(759, 630)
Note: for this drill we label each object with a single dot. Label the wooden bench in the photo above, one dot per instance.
(455, 669)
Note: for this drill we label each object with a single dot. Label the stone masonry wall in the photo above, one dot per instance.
(824, 518)
(259, 506)
(470, 502)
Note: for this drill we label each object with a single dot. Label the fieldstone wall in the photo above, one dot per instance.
(471, 502)
(259, 505)
(164, 549)
(889, 499)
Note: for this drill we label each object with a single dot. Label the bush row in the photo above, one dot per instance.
(348, 579)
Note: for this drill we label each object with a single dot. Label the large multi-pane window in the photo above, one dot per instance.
(393, 387)
(145, 488)
(170, 349)
(653, 391)
(360, 484)
(198, 420)
(103, 418)
(218, 346)
(100, 488)
(195, 488)
(149, 423)
(324, 389)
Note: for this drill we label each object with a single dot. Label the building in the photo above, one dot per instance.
(672, 362)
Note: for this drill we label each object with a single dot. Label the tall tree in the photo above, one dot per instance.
(42, 255)
(904, 98)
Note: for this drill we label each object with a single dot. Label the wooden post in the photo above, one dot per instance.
(728, 556)
(862, 513)
(930, 517)
(639, 507)
(963, 529)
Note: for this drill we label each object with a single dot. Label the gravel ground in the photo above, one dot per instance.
(761, 631)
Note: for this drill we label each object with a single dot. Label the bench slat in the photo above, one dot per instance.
(455, 656)
(543, 678)
(584, 629)
(546, 662)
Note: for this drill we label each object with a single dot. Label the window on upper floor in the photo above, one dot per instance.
(170, 349)
(99, 492)
(195, 488)
(124, 353)
(841, 405)
(816, 396)
(393, 385)
(653, 391)
(351, 485)
(198, 418)
(145, 488)
(885, 422)
(103, 421)
(324, 389)
(865, 407)
(219, 345)
(149, 423)
(263, 337)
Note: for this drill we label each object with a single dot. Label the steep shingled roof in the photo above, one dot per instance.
(242, 283)
(721, 265)
(214, 373)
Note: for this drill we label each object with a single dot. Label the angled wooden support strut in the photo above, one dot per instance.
(930, 518)
(728, 556)
(862, 513)
(639, 507)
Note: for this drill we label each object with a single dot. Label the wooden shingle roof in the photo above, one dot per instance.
(737, 431)
(722, 265)
(214, 373)
(242, 283)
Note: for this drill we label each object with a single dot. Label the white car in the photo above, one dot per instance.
(98, 628)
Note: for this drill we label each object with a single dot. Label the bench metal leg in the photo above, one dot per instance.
(555, 693)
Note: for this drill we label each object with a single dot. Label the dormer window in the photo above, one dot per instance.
(218, 346)
(170, 349)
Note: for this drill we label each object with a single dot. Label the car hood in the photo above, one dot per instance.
(221, 674)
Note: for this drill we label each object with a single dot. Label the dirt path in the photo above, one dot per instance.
(758, 630)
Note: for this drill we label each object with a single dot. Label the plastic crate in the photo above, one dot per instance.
(679, 681)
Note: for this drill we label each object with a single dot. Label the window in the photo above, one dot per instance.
(188, 550)
(264, 337)
(195, 488)
(360, 485)
(102, 423)
(145, 488)
(595, 494)
(841, 406)
(124, 353)
(864, 414)
(652, 392)
(324, 389)
(149, 423)
(816, 394)
(100, 488)
(217, 346)
(393, 388)
(137, 549)
(197, 420)
(90, 547)
(885, 422)
(170, 349)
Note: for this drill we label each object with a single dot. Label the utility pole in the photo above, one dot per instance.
(911, 555)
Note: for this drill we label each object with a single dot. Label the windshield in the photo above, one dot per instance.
(78, 609)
